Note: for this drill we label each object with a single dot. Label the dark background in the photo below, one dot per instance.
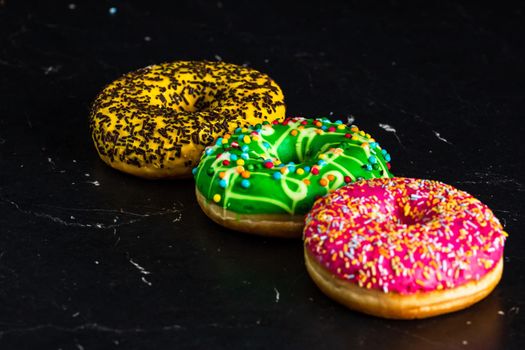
(91, 258)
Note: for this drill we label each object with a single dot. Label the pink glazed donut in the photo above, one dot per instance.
(403, 248)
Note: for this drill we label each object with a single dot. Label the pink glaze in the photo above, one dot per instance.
(404, 235)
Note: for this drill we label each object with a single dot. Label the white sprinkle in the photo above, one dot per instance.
(140, 268)
(469, 223)
(438, 135)
(87, 175)
(72, 6)
(147, 38)
(468, 323)
(51, 69)
(500, 312)
(277, 295)
(350, 119)
(217, 57)
(464, 342)
(143, 279)
(96, 262)
(387, 127)
(391, 129)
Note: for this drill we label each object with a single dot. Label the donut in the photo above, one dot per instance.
(263, 179)
(155, 122)
(403, 248)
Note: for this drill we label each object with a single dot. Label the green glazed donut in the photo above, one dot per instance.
(263, 179)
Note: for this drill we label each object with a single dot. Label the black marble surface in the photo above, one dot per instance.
(91, 258)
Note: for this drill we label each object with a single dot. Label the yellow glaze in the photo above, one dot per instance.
(155, 122)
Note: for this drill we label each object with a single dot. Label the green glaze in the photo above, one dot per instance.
(341, 152)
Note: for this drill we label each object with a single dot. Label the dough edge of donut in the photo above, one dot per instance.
(270, 225)
(149, 171)
(397, 306)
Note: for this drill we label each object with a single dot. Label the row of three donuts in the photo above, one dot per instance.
(264, 178)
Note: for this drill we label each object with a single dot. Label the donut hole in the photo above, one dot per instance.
(411, 215)
(198, 102)
(292, 149)
(402, 219)
(400, 209)
(200, 97)
(288, 155)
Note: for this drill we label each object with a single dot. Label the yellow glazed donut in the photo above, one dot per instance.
(155, 122)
